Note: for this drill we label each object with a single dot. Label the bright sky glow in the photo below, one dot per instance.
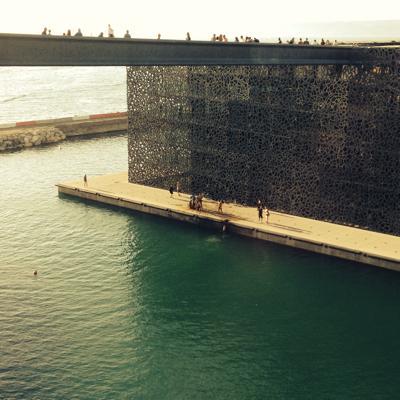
(173, 18)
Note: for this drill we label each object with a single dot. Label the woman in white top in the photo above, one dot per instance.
(110, 31)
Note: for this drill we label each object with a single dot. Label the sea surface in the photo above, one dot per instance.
(130, 306)
(52, 92)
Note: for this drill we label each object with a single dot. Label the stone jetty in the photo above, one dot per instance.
(35, 133)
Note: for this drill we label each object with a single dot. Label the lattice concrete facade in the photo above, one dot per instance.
(321, 141)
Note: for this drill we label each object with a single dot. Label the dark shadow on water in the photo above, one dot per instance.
(84, 137)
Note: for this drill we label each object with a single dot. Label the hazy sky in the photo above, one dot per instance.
(172, 18)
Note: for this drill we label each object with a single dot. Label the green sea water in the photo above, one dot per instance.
(130, 306)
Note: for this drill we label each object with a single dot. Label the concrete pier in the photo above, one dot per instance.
(350, 243)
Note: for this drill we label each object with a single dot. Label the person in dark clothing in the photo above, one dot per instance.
(260, 214)
(171, 190)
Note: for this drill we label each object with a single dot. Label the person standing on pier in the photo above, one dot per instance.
(85, 180)
(266, 215)
(220, 206)
(171, 190)
(260, 210)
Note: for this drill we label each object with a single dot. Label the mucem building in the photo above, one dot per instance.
(318, 140)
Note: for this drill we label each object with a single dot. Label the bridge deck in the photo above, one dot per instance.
(317, 236)
(38, 50)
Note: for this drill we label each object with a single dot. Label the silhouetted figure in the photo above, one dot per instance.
(85, 183)
(188, 36)
(300, 41)
(260, 213)
(79, 33)
(220, 206)
(198, 202)
(242, 38)
(158, 36)
(101, 34)
(192, 202)
(255, 40)
(306, 42)
(322, 42)
(236, 39)
(291, 41)
(44, 31)
(279, 41)
(69, 32)
(127, 35)
(110, 31)
(171, 190)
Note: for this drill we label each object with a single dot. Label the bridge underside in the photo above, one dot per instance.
(321, 141)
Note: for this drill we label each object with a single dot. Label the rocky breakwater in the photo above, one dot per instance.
(24, 137)
(19, 135)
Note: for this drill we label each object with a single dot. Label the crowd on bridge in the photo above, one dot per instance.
(222, 38)
(306, 42)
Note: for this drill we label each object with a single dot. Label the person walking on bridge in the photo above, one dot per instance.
(110, 31)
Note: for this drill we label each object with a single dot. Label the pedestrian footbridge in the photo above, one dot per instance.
(38, 50)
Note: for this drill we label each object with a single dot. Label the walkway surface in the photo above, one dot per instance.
(373, 244)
